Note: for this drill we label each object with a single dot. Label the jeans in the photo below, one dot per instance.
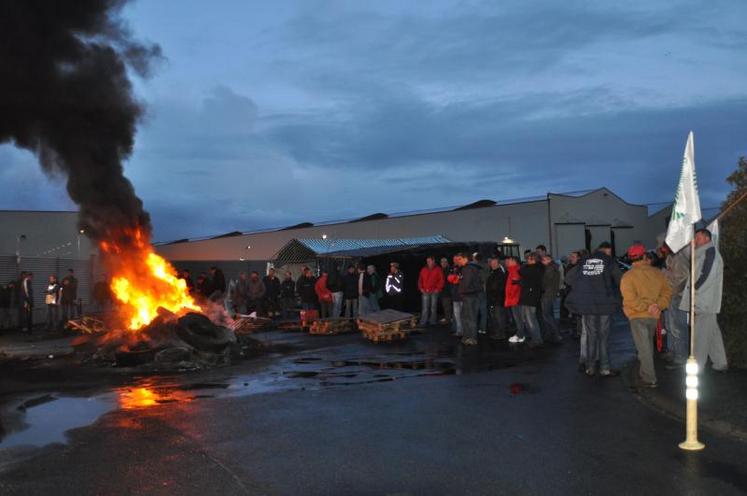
(53, 316)
(429, 309)
(68, 311)
(583, 343)
(288, 304)
(27, 317)
(456, 322)
(447, 307)
(373, 303)
(6, 318)
(482, 310)
(470, 307)
(497, 323)
(643, 331)
(351, 308)
(549, 324)
(678, 330)
(325, 309)
(530, 323)
(364, 305)
(597, 329)
(336, 304)
(518, 320)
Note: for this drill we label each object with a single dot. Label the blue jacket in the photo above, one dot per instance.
(596, 286)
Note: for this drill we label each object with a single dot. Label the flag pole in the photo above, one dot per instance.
(691, 442)
(729, 207)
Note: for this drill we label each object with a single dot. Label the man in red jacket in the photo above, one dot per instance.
(513, 294)
(430, 283)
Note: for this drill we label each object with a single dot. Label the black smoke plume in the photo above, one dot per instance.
(65, 95)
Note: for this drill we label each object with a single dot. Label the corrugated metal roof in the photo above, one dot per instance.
(322, 246)
(303, 250)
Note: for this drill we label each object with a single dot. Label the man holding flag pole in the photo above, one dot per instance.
(680, 232)
(705, 261)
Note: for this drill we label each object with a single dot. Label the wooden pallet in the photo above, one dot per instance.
(378, 336)
(331, 326)
(244, 325)
(387, 325)
(86, 325)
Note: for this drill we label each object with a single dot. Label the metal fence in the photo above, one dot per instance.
(86, 271)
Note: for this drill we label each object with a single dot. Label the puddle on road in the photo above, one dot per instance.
(45, 419)
(48, 421)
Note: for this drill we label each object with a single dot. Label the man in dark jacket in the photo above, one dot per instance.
(217, 284)
(596, 297)
(69, 295)
(240, 294)
(334, 284)
(445, 296)
(256, 293)
(203, 287)
(6, 321)
(495, 289)
(305, 289)
(26, 299)
(272, 294)
(350, 293)
(377, 289)
(288, 294)
(470, 287)
(452, 280)
(531, 290)
(550, 289)
(482, 305)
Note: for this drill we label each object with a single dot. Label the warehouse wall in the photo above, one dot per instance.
(528, 226)
(559, 222)
(601, 212)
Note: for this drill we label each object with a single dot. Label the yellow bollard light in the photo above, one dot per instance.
(691, 442)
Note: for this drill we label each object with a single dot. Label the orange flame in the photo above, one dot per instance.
(143, 282)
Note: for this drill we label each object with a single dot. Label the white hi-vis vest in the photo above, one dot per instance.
(393, 285)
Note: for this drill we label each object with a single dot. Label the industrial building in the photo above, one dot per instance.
(562, 222)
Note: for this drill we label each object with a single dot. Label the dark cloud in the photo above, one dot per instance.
(333, 110)
(342, 164)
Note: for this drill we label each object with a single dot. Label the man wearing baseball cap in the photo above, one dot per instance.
(645, 293)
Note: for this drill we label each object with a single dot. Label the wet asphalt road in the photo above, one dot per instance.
(342, 416)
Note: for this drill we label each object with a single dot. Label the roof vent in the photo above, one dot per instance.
(477, 204)
(297, 226)
(228, 235)
(376, 216)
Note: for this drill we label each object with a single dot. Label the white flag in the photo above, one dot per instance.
(686, 208)
(713, 227)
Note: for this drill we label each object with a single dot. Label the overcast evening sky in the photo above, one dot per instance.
(265, 114)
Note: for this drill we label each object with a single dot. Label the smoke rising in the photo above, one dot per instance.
(66, 96)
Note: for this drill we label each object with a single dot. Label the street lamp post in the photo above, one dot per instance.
(81, 232)
(19, 238)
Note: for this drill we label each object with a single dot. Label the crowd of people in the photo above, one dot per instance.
(507, 298)
(60, 299)
(502, 297)
(654, 294)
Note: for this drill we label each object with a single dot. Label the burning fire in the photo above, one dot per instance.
(143, 282)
